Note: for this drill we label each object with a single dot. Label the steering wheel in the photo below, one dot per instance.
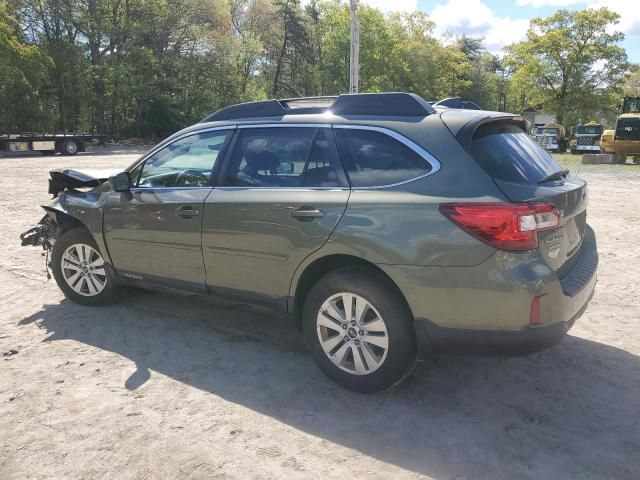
(191, 177)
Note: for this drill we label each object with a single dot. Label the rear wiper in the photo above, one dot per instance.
(559, 175)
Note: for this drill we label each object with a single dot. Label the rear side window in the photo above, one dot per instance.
(285, 157)
(374, 158)
(507, 153)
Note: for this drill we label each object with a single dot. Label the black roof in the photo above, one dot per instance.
(375, 104)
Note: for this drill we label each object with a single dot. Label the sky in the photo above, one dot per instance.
(501, 22)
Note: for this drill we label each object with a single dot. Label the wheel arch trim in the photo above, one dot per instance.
(315, 267)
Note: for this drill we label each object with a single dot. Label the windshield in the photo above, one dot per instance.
(507, 153)
(589, 130)
(549, 131)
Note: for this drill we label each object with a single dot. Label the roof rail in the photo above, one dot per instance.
(375, 104)
(456, 102)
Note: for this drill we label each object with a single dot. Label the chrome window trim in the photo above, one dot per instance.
(429, 158)
(150, 189)
(159, 147)
(284, 125)
(289, 189)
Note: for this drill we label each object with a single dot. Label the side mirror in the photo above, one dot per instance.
(120, 182)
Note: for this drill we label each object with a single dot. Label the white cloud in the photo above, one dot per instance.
(474, 18)
(548, 3)
(629, 11)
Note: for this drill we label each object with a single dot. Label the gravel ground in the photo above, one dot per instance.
(163, 386)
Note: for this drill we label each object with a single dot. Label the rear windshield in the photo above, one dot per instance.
(507, 153)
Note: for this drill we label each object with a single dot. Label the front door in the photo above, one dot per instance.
(283, 194)
(154, 232)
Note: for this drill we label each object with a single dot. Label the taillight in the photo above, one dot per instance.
(508, 226)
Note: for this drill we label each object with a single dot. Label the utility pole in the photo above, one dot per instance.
(355, 49)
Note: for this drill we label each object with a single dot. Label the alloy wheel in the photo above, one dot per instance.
(352, 333)
(84, 270)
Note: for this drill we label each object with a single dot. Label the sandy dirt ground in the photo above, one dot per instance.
(163, 387)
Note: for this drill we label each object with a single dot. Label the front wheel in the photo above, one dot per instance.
(80, 270)
(359, 329)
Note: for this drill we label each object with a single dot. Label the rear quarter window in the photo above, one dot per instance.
(507, 153)
(374, 158)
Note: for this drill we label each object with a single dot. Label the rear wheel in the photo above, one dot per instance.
(80, 270)
(359, 329)
(69, 147)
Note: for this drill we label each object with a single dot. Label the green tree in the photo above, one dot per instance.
(570, 62)
(631, 86)
(22, 77)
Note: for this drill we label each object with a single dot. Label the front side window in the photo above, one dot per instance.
(283, 157)
(374, 158)
(187, 162)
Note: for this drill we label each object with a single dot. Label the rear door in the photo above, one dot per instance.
(526, 173)
(154, 231)
(282, 194)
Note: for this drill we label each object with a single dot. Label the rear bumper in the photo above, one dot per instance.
(529, 340)
(487, 307)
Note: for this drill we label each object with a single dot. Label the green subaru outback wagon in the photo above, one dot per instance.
(383, 224)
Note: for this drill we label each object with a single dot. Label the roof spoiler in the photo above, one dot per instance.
(466, 133)
(375, 104)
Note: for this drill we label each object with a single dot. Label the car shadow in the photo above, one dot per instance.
(569, 412)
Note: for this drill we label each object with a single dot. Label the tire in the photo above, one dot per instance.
(387, 320)
(71, 257)
(69, 147)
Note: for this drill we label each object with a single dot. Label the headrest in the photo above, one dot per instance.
(261, 159)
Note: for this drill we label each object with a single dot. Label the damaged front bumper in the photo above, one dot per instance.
(44, 234)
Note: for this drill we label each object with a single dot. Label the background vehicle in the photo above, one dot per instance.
(624, 140)
(46, 143)
(382, 224)
(587, 138)
(551, 137)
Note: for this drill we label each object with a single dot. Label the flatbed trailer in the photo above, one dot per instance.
(47, 143)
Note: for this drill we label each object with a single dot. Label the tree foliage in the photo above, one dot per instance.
(570, 63)
(149, 67)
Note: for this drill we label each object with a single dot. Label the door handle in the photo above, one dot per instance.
(187, 212)
(307, 213)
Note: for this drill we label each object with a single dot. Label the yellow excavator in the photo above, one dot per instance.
(625, 139)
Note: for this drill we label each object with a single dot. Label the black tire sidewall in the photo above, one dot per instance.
(384, 296)
(65, 145)
(80, 236)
